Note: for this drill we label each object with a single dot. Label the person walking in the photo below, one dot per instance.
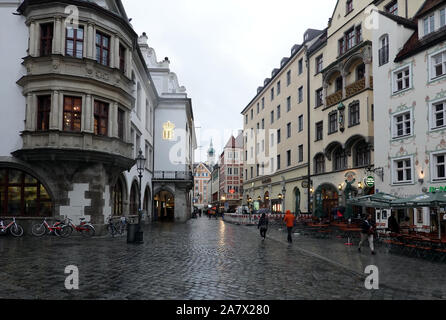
(263, 225)
(367, 232)
(289, 220)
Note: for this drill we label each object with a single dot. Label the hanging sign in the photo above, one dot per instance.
(370, 181)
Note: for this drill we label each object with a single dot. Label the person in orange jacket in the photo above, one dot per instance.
(289, 220)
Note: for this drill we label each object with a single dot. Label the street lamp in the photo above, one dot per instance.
(140, 167)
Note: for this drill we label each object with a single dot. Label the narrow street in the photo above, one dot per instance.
(202, 259)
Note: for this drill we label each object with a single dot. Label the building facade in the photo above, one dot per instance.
(341, 87)
(231, 173)
(410, 77)
(276, 134)
(73, 98)
(174, 141)
(202, 175)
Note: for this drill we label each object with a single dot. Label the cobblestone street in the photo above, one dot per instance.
(203, 260)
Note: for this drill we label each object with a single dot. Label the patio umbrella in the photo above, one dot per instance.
(424, 200)
(377, 200)
(431, 200)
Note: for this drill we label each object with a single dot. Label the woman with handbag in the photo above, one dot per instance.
(263, 226)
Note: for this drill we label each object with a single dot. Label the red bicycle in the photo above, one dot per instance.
(59, 229)
(86, 229)
(15, 229)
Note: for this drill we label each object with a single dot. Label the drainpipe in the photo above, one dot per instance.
(309, 134)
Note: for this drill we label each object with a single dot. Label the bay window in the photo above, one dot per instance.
(46, 39)
(100, 118)
(43, 113)
(72, 114)
(103, 49)
(74, 42)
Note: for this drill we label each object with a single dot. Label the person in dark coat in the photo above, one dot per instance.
(394, 227)
(263, 225)
(367, 233)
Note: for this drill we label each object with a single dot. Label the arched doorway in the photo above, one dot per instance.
(118, 198)
(164, 206)
(22, 195)
(147, 201)
(327, 198)
(134, 199)
(297, 201)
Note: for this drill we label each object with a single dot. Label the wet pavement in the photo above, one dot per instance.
(200, 260)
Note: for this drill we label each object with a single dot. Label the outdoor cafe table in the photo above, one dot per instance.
(348, 232)
(316, 227)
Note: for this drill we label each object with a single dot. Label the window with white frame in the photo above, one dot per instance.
(402, 170)
(438, 65)
(401, 79)
(429, 24)
(438, 163)
(438, 115)
(402, 125)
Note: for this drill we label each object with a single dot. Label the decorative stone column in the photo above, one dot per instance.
(54, 114)
(90, 43)
(368, 68)
(87, 114)
(57, 40)
(31, 112)
(32, 39)
(344, 83)
(116, 50)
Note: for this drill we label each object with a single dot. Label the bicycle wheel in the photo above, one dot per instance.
(121, 228)
(17, 231)
(111, 230)
(87, 231)
(38, 230)
(65, 231)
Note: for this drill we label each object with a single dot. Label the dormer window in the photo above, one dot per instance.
(46, 39)
(349, 7)
(392, 7)
(429, 24)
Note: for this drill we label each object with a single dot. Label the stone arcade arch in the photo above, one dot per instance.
(164, 206)
(120, 197)
(326, 199)
(147, 202)
(134, 199)
(23, 195)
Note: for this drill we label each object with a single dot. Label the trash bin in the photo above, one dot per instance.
(139, 237)
(131, 233)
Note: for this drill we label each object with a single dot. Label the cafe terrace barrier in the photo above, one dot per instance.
(245, 219)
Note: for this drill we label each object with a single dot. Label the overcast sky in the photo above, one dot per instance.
(223, 50)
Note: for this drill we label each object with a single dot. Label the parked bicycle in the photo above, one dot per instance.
(15, 229)
(86, 229)
(117, 227)
(59, 229)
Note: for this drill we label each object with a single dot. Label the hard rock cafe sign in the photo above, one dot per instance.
(168, 130)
